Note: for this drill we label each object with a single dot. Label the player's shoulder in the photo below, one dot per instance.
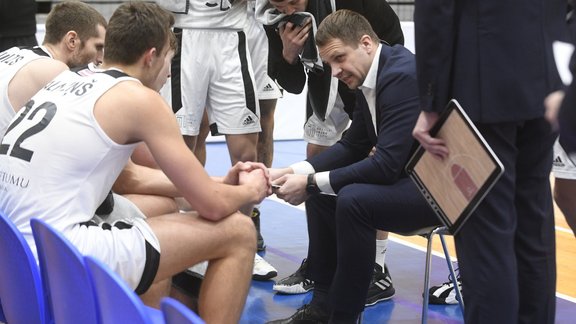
(132, 93)
(43, 70)
(46, 65)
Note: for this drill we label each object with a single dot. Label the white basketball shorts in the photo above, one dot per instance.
(124, 242)
(215, 73)
(329, 131)
(562, 165)
(266, 88)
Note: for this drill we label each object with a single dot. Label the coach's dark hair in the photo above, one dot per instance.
(346, 25)
(72, 16)
(134, 28)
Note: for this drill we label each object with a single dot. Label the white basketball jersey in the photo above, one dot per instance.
(11, 61)
(213, 14)
(56, 163)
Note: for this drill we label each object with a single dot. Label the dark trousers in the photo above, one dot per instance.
(342, 234)
(506, 250)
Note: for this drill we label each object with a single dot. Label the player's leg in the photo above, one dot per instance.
(153, 296)
(242, 147)
(565, 184)
(200, 145)
(186, 239)
(153, 205)
(189, 91)
(564, 193)
(265, 146)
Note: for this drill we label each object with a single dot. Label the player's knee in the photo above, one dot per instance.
(246, 155)
(243, 230)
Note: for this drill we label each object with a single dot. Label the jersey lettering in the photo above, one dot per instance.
(17, 151)
(224, 5)
(10, 59)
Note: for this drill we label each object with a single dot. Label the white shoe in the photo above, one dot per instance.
(199, 269)
(262, 269)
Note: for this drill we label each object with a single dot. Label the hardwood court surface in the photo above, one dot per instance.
(565, 253)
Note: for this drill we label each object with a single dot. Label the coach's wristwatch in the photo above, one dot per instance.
(311, 186)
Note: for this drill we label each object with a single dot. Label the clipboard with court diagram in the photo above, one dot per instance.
(454, 187)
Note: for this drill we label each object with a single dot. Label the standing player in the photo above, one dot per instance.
(268, 93)
(216, 77)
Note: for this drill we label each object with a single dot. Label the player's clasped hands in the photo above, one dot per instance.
(256, 175)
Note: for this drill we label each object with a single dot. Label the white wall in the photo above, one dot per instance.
(291, 109)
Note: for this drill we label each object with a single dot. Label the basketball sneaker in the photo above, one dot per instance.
(305, 314)
(445, 294)
(262, 269)
(296, 283)
(381, 287)
(256, 219)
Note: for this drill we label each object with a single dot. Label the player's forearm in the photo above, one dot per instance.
(136, 179)
(225, 200)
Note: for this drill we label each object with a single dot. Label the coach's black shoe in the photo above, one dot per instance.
(307, 314)
(381, 287)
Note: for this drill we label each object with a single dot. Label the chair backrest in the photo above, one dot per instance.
(2, 317)
(64, 277)
(177, 313)
(20, 285)
(117, 303)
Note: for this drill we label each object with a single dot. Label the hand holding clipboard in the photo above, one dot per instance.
(455, 185)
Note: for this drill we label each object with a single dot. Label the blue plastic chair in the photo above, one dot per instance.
(177, 313)
(2, 317)
(20, 285)
(117, 303)
(64, 277)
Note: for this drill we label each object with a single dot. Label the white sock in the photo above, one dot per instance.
(381, 252)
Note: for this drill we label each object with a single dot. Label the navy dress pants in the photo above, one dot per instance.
(342, 234)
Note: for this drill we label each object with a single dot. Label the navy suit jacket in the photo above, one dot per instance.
(396, 113)
(498, 65)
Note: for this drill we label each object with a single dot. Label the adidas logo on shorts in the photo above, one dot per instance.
(268, 87)
(558, 162)
(248, 121)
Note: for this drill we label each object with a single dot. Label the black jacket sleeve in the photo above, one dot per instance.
(291, 77)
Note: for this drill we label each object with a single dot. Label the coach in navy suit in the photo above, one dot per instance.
(372, 191)
(494, 57)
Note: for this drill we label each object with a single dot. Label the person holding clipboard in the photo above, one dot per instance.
(495, 58)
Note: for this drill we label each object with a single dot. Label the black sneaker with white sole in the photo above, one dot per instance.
(260, 240)
(307, 314)
(381, 287)
(445, 294)
(296, 283)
